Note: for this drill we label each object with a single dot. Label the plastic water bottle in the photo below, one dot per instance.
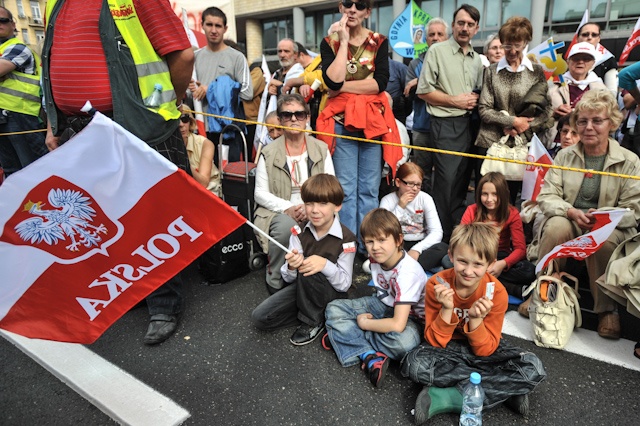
(155, 99)
(472, 400)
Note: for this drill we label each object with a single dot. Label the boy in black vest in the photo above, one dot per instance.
(318, 269)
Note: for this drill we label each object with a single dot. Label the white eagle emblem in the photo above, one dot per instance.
(70, 218)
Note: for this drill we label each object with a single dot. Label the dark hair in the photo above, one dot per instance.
(517, 28)
(302, 49)
(502, 190)
(322, 188)
(214, 11)
(9, 14)
(289, 98)
(381, 223)
(565, 119)
(471, 10)
(590, 23)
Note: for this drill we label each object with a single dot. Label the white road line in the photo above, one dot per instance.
(582, 342)
(115, 392)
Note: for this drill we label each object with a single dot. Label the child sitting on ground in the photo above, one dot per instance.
(464, 312)
(318, 269)
(374, 329)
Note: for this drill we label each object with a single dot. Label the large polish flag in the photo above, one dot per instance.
(632, 42)
(585, 245)
(534, 175)
(92, 228)
(574, 40)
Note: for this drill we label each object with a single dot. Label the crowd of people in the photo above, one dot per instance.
(442, 271)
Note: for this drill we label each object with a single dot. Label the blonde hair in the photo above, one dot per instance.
(483, 239)
(600, 100)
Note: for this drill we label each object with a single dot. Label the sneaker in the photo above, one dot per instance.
(516, 403)
(306, 334)
(366, 266)
(377, 369)
(326, 342)
(423, 402)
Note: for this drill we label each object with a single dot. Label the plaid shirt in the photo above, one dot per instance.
(20, 55)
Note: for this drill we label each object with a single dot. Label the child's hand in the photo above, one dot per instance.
(312, 265)
(480, 308)
(444, 295)
(362, 320)
(405, 199)
(294, 259)
(497, 267)
(414, 254)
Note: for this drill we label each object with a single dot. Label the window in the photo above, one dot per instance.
(20, 9)
(564, 11)
(25, 36)
(432, 7)
(35, 10)
(310, 31)
(273, 32)
(516, 8)
(39, 36)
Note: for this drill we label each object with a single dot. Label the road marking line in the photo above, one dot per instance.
(582, 342)
(115, 392)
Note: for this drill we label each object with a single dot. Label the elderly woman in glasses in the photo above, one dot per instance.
(568, 199)
(284, 165)
(200, 151)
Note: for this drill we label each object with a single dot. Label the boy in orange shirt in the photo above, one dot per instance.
(464, 312)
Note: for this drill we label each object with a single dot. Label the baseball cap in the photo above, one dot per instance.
(583, 47)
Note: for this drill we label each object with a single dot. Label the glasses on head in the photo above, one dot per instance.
(4, 20)
(597, 122)
(347, 5)
(185, 118)
(288, 115)
(517, 47)
(411, 184)
(587, 34)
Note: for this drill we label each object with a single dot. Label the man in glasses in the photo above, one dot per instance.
(19, 100)
(212, 61)
(101, 33)
(449, 82)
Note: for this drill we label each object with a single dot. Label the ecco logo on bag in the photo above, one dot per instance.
(232, 247)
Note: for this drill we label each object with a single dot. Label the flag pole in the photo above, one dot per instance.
(269, 237)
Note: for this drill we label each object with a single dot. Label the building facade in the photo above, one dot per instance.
(29, 18)
(261, 23)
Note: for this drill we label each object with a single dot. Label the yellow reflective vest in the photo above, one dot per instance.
(20, 92)
(151, 68)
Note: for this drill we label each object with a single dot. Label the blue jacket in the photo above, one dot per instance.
(223, 97)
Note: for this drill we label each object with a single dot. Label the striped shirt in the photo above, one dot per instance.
(78, 64)
(20, 56)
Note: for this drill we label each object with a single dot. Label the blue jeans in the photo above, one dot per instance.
(358, 167)
(18, 151)
(349, 341)
(507, 372)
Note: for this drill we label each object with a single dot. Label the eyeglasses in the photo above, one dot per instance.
(4, 20)
(463, 24)
(411, 184)
(496, 48)
(288, 115)
(347, 5)
(597, 122)
(587, 34)
(517, 47)
(185, 118)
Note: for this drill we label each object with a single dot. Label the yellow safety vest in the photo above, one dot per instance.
(20, 92)
(152, 69)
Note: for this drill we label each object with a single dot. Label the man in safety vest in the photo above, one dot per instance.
(132, 59)
(19, 100)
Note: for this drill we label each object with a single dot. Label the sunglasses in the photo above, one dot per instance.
(4, 20)
(347, 5)
(185, 118)
(288, 115)
(593, 35)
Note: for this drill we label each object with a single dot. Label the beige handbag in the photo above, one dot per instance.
(500, 149)
(554, 310)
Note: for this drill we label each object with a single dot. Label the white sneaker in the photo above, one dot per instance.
(366, 266)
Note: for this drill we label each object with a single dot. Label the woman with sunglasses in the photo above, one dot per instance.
(200, 151)
(355, 69)
(284, 165)
(418, 217)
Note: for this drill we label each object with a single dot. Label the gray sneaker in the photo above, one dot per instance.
(306, 334)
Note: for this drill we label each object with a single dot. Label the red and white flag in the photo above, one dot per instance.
(95, 226)
(633, 41)
(587, 244)
(534, 175)
(574, 40)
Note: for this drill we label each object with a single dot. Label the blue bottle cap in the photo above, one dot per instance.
(158, 86)
(475, 378)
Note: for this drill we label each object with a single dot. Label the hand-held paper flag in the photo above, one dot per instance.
(95, 226)
(534, 175)
(587, 244)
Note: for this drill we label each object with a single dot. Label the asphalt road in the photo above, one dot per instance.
(225, 372)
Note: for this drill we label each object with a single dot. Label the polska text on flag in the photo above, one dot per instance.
(585, 245)
(95, 226)
(534, 175)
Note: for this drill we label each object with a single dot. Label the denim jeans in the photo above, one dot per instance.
(349, 341)
(18, 151)
(280, 230)
(507, 372)
(358, 167)
(302, 301)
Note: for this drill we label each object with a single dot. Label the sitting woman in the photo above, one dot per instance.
(200, 151)
(568, 198)
(418, 217)
(284, 165)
